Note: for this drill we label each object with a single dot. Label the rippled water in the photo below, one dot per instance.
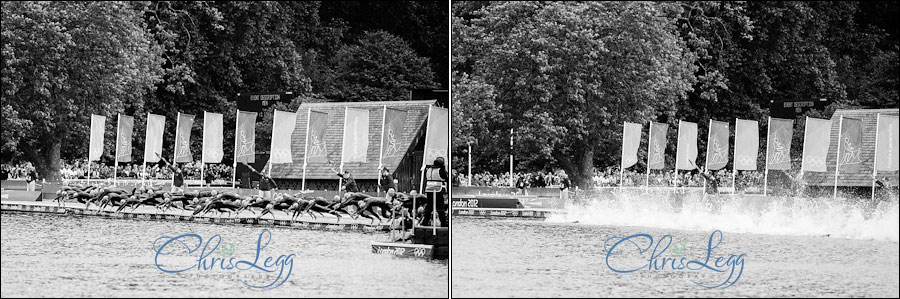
(52, 255)
(525, 258)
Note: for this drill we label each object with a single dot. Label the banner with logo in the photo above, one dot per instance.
(316, 149)
(356, 135)
(212, 138)
(687, 146)
(437, 141)
(717, 145)
(283, 124)
(778, 150)
(816, 140)
(746, 144)
(631, 141)
(851, 144)
(392, 148)
(98, 126)
(888, 143)
(245, 137)
(657, 148)
(123, 138)
(156, 125)
(183, 138)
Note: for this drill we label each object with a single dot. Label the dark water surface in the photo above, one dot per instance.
(524, 258)
(53, 255)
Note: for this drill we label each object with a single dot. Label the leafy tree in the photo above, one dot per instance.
(379, 67)
(568, 74)
(63, 61)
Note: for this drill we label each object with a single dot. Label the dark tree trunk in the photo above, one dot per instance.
(47, 161)
(585, 168)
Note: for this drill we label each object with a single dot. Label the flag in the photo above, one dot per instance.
(98, 127)
(437, 143)
(746, 144)
(392, 148)
(316, 149)
(245, 137)
(687, 146)
(123, 138)
(888, 142)
(154, 137)
(282, 128)
(816, 140)
(631, 141)
(212, 138)
(717, 145)
(356, 135)
(657, 147)
(850, 144)
(183, 138)
(778, 149)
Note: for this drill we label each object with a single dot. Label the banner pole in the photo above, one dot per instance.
(469, 183)
(622, 162)
(677, 152)
(766, 176)
(341, 168)
(511, 178)
(875, 158)
(706, 163)
(144, 170)
(116, 163)
(381, 151)
(734, 163)
(271, 144)
(837, 155)
(649, 144)
(422, 178)
(237, 117)
(175, 152)
(306, 148)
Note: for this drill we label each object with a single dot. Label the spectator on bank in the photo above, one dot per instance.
(564, 186)
(349, 182)
(386, 180)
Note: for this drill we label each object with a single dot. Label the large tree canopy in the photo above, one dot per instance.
(566, 75)
(63, 61)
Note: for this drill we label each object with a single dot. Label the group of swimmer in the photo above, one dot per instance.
(392, 205)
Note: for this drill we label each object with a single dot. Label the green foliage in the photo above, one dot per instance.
(379, 67)
(566, 75)
(63, 61)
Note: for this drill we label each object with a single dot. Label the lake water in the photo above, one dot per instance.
(54, 255)
(791, 248)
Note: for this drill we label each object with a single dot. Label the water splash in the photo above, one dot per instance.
(851, 218)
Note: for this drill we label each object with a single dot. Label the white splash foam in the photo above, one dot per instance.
(842, 218)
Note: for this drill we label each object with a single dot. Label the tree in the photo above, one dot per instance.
(379, 67)
(568, 74)
(64, 61)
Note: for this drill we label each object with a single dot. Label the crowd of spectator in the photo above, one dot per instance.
(610, 177)
(79, 170)
(531, 180)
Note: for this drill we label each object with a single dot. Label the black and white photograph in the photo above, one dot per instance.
(225, 149)
(674, 149)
